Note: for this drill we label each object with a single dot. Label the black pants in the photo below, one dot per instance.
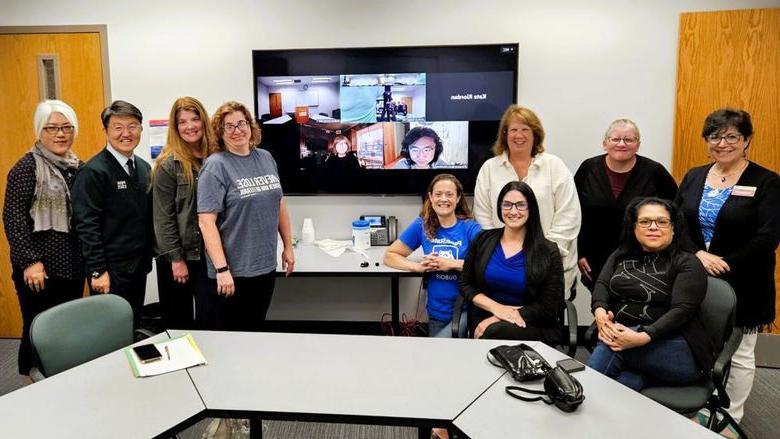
(56, 290)
(509, 331)
(130, 286)
(246, 309)
(176, 298)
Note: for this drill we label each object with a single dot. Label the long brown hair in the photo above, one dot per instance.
(175, 145)
(429, 217)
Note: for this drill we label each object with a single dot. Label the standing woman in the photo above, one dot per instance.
(181, 262)
(731, 209)
(514, 275)
(444, 230)
(606, 184)
(520, 156)
(241, 209)
(45, 253)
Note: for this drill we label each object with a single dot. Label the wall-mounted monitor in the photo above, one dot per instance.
(381, 120)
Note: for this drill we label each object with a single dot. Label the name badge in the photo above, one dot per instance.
(121, 184)
(744, 191)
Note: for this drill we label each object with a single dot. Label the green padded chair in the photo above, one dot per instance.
(78, 331)
(717, 313)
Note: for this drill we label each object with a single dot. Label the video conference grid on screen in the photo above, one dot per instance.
(331, 131)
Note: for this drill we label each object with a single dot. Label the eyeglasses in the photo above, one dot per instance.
(67, 129)
(626, 140)
(119, 129)
(661, 222)
(230, 128)
(426, 150)
(520, 206)
(731, 139)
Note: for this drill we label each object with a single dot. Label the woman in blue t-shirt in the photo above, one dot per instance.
(514, 275)
(443, 230)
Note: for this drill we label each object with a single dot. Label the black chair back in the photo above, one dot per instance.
(718, 311)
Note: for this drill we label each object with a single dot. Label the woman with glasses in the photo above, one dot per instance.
(514, 275)
(421, 149)
(733, 218)
(181, 262)
(45, 251)
(646, 303)
(241, 209)
(605, 185)
(520, 156)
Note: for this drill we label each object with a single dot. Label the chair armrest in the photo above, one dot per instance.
(141, 334)
(591, 337)
(36, 375)
(722, 365)
(456, 311)
(573, 291)
(571, 316)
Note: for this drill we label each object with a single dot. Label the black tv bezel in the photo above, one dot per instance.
(315, 61)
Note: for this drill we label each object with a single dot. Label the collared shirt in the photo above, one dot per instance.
(121, 158)
(553, 185)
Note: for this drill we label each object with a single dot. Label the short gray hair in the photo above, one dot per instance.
(623, 121)
(44, 111)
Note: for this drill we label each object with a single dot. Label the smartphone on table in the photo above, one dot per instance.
(571, 365)
(147, 353)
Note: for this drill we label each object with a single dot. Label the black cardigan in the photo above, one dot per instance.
(746, 234)
(602, 214)
(545, 296)
(687, 285)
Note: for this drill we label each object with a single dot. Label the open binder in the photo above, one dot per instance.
(178, 353)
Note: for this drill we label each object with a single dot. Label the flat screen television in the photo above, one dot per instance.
(381, 120)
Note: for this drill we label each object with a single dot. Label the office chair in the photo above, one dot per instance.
(78, 331)
(717, 313)
(569, 332)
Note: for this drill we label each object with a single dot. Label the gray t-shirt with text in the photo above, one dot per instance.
(244, 192)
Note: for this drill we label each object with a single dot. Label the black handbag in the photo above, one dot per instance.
(521, 361)
(560, 387)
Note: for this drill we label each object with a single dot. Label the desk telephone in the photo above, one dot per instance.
(383, 230)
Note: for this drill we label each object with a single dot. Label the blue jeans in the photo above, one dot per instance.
(442, 329)
(661, 361)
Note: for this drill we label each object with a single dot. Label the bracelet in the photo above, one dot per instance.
(223, 269)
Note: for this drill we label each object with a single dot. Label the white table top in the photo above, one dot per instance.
(610, 410)
(100, 399)
(311, 260)
(344, 375)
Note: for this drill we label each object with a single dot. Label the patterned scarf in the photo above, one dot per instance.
(51, 204)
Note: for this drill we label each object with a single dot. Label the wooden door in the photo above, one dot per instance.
(729, 59)
(81, 84)
(275, 103)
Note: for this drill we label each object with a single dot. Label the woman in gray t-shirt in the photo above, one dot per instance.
(240, 210)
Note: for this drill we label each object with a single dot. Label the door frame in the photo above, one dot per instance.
(100, 29)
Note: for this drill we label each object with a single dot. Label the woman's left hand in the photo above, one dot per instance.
(625, 338)
(288, 261)
(480, 329)
(434, 262)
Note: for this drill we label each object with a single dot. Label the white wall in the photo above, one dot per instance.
(582, 64)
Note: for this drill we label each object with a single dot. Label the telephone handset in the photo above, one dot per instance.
(384, 230)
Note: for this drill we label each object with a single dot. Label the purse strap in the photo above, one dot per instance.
(512, 391)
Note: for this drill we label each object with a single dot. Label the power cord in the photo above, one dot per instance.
(409, 327)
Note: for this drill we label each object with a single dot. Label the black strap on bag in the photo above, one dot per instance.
(560, 387)
(521, 361)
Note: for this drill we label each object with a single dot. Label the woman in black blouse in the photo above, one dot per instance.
(606, 184)
(45, 255)
(646, 303)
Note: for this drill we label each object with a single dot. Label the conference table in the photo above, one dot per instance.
(403, 381)
(311, 261)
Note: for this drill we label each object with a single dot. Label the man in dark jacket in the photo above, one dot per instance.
(112, 210)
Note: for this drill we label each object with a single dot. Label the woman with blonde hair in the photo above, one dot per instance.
(181, 263)
(241, 213)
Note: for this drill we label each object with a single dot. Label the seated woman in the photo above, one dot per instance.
(646, 303)
(444, 230)
(514, 275)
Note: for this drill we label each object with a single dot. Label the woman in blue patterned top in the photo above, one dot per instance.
(731, 209)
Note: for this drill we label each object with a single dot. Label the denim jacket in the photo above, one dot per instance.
(176, 230)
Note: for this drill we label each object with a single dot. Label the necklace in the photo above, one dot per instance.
(723, 177)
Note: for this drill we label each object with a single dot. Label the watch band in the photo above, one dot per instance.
(223, 269)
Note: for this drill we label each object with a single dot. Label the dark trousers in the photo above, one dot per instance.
(509, 331)
(56, 290)
(246, 309)
(176, 298)
(130, 286)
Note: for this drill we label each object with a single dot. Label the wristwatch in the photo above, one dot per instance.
(223, 269)
(96, 274)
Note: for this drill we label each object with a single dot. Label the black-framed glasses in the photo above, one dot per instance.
(66, 129)
(626, 140)
(714, 139)
(520, 205)
(230, 128)
(660, 222)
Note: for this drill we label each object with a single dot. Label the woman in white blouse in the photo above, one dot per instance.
(519, 155)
